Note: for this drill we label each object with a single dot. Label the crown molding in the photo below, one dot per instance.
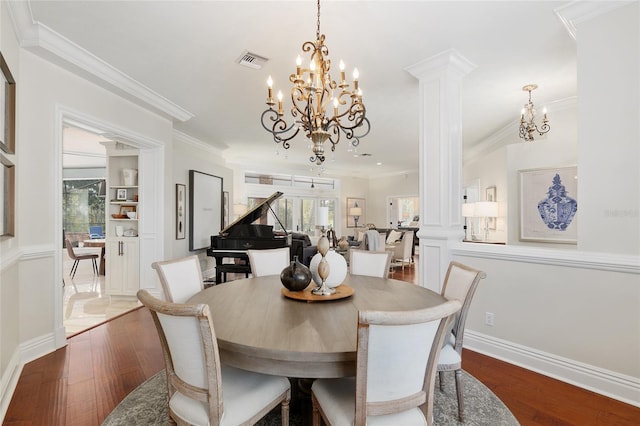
(40, 39)
(197, 143)
(577, 12)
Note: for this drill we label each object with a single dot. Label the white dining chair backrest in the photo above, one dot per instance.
(460, 284)
(180, 278)
(369, 263)
(196, 379)
(268, 261)
(396, 356)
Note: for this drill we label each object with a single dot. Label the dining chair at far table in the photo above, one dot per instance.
(181, 278)
(369, 263)
(268, 261)
(93, 257)
(460, 283)
(396, 359)
(201, 390)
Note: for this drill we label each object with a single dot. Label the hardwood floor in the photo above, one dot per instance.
(79, 385)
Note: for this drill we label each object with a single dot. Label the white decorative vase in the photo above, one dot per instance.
(130, 177)
(337, 269)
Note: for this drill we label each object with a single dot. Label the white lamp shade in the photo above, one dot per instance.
(486, 209)
(337, 269)
(323, 216)
(355, 211)
(468, 209)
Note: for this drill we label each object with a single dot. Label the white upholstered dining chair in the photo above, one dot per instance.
(396, 358)
(460, 283)
(201, 390)
(369, 263)
(268, 261)
(180, 278)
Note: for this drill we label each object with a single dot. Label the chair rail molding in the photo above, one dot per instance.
(557, 257)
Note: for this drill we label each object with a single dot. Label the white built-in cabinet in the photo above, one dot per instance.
(122, 251)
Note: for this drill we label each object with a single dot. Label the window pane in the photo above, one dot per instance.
(307, 216)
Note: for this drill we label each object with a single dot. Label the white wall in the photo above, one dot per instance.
(609, 132)
(189, 154)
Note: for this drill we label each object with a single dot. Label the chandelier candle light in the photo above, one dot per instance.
(312, 90)
(528, 115)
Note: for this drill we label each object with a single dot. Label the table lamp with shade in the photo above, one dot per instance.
(356, 212)
(467, 212)
(323, 219)
(485, 210)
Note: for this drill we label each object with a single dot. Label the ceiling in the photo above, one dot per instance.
(186, 52)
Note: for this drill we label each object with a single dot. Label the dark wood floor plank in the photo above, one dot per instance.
(82, 403)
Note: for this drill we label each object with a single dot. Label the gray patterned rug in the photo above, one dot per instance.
(147, 405)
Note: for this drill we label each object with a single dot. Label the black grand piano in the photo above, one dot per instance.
(242, 235)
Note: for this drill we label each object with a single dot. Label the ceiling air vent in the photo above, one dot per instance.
(251, 60)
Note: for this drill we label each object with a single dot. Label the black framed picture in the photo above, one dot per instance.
(205, 209)
(8, 105)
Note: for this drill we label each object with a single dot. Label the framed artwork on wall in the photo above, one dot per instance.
(355, 212)
(8, 105)
(181, 205)
(549, 205)
(205, 209)
(7, 198)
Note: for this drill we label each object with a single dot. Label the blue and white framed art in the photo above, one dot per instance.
(549, 205)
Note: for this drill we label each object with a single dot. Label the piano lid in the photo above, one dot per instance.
(254, 214)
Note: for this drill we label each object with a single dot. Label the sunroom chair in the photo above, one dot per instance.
(180, 278)
(402, 253)
(268, 261)
(96, 232)
(201, 390)
(369, 263)
(396, 359)
(460, 283)
(93, 257)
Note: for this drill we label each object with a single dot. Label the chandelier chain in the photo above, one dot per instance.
(318, 27)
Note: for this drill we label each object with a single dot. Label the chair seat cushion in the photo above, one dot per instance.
(244, 394)
(337, 399)
(449, 358)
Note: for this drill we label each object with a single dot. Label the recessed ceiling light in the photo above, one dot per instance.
(378, 164)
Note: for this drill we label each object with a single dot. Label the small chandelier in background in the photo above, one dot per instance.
(312, 90)
(528, 115)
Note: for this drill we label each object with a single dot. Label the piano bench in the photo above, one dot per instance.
(224, 268)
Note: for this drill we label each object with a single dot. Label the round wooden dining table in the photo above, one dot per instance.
(259, 329)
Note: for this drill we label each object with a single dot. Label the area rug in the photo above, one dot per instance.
(147, 405)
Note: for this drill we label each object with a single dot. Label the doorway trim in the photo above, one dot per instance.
(152, 154)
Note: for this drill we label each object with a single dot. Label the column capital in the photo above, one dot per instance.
(449, 60)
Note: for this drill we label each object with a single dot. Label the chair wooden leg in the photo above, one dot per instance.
(441, 379)
(459, 394)
(315, 419)
(285, 413)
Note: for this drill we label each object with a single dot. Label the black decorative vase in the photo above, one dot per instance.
(296, 276)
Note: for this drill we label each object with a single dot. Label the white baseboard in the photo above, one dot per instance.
(35, 348)
(8, 383)
(609, 383)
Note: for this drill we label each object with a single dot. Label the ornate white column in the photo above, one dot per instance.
(440, 86)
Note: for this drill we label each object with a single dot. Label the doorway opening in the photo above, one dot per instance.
(84, 301)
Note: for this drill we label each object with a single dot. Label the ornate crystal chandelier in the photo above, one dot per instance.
(528, 115)
(313, 89)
